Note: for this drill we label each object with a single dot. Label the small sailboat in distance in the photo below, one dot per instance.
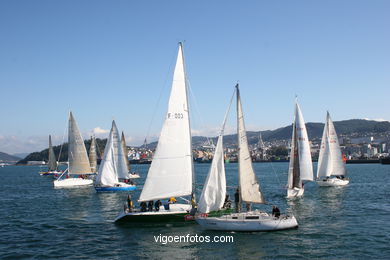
(171, 173)
(331, 167)
(300, 167)
(248, 191)
(93, 155)
(52, 162)
(113, 166)
(79, 167)
(132, 175)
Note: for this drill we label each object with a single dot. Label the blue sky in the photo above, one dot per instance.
(112, 59)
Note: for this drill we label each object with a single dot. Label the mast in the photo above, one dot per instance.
(193, 198)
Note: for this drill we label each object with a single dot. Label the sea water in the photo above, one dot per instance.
(38, 221)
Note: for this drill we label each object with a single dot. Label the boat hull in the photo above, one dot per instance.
(294, 193)
(176, 213)
(332, 182)
(115, 188)
(72, 182)
(248, 222)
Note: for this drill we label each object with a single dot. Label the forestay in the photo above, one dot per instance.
(77, 154)
(249, 186)
(171, 171)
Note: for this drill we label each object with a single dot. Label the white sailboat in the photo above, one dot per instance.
(79, 167)
(113, 166)
(132, 175)
(300, 167)
(331, 168)
(93, 155)
(249, 191)
(171, 173)
(52, 164)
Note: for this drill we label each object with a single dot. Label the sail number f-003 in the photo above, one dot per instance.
(175, 115)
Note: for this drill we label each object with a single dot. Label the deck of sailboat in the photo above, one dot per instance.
(175, 213)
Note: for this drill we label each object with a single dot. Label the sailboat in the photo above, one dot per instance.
(79, 167)
(249, 192)
(300, 168)
(113, 166)
(331, 168)
(171, 172)
(124, 147)
(93, 155)
(52, 162)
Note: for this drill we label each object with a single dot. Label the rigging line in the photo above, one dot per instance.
(159, 99)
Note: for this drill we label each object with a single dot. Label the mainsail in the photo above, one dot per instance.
(93, 155)
(124, 148)
(113, 165)
(77, 154)
(52, 163)
(249, 185)
(330, 159)
(171, 171)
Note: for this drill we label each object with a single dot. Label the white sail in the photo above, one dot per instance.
(92, 155)
(171, 171)
(214, 189)
(324, 156)
(304, 154)
(52, 162)
(124, 148)
(112, 165)
(330, 160)
(77, 154)
(249, 186)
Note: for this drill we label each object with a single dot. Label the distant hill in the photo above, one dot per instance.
(346, 127)
(44, 154)
(20, 155)
(314, 130)
(5, 157)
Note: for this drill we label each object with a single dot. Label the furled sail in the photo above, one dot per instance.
(93, 155)
(249, 186)
(171, 171)
(77, 154)
(52, 163)
(113, 165)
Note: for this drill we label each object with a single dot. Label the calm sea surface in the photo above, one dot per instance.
(38, 221)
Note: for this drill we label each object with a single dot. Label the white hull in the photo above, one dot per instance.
(248, 221)
(331, 182)
(72, 182)
(296, 192)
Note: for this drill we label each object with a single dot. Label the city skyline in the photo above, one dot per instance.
(114, 60)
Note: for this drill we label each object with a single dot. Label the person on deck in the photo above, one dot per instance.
(129, 203)
(237, 200)
(157, 205)
(143, 206)
(172, 200)
(275, 212)
(150, 205)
